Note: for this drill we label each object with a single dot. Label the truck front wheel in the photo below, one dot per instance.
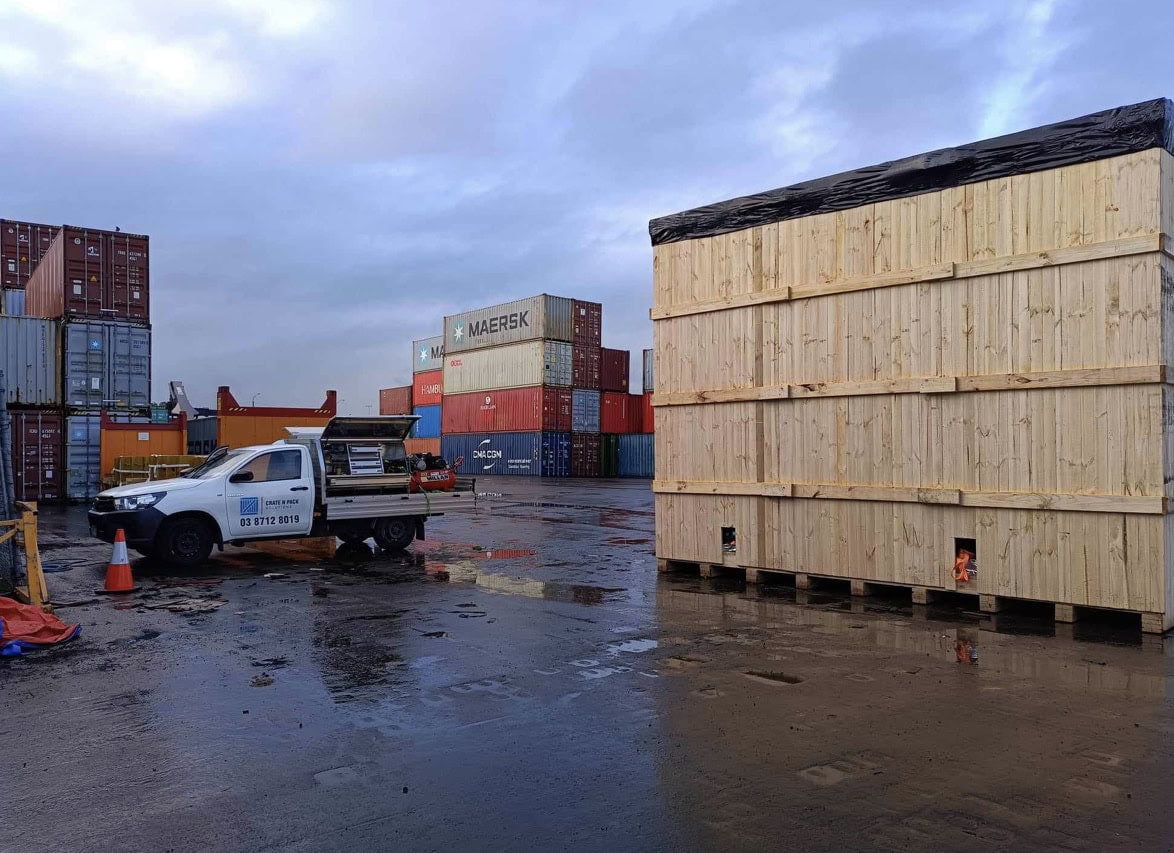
(184, 542)
(395, 534)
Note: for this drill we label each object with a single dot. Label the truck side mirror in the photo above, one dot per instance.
(241, 477)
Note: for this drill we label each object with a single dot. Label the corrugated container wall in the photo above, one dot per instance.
(584, 454)
(83, 456)
(37, 448)
(22, 245)
(140, 437)
(428, 354)
(511, 454)
(586, 367)
(649, 371)
(107, 365)
(13, 303)
(588, 324)
(514, 366)
(202, 435)
(584, 411)
(427, 388)
(535, 318)
(530, 409)
(28, 349)
(614, 368)
(96, 275)
(647, 416)
(636, 456)
(429, 424)
(395, 401)
(620, 413)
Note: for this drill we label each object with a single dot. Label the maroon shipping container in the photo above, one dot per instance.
(91, 274)
(620, 413)
(615, 364)
(22, 245)
(533, 409)
(395, 401)
(647, 418)
(585, 367)
(585, 454)
(38, 451)
(588, 324)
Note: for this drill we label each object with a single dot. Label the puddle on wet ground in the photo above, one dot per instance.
(632, 646)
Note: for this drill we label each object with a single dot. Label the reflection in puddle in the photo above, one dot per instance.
(632, 646)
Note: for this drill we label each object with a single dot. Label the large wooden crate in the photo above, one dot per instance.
(856, 392)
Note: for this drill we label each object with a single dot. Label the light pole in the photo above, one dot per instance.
(255, 396)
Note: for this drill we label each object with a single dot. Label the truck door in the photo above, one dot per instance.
(272, 494)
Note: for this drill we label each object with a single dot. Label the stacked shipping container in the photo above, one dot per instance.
(82, 346)
(507, 402)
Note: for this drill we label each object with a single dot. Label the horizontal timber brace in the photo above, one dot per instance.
(935, 272)
(1132, 504)
(1079, 378)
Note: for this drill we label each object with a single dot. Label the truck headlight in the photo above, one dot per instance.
(138, 501)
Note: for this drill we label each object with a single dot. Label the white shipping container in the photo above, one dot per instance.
(28, 358)
(428, 354)
(513, 366)
(536, 318)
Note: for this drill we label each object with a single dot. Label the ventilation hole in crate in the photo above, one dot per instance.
(729, 540)
(965, 559)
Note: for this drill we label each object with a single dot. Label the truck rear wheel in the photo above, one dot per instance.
(184, 542)
(395, 534)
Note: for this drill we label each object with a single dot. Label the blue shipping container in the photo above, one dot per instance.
(637, 456)
(429, 424)
(584, 411)
(510, 454)
(13, 304)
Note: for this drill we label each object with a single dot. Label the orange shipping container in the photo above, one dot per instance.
(146, 439)
(242, 426)
(427, 387)
(422, 445)
(395, 401)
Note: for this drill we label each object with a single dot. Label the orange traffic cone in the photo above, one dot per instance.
(118, 576)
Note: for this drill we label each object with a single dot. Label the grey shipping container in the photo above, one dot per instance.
(649, 371)
(107, 365)
(428, 354)
(29, 353)
(584, 411)
(83, 456)
(636, 456)
(535, 318)
(202, 435)
(13, 303)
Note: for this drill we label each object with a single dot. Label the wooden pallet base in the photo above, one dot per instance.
(1151, 623)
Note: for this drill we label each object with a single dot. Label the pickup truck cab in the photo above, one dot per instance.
(351, 479)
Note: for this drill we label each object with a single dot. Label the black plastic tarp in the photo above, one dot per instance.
(1111, 133)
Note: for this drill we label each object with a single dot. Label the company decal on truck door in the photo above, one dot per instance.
(250, 512)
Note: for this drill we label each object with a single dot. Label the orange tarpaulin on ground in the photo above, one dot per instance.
(28, 626)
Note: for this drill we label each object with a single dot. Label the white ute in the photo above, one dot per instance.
(352, 479)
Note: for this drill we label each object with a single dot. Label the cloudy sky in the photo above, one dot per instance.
(323, 181)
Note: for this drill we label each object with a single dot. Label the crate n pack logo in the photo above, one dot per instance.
(250, 506)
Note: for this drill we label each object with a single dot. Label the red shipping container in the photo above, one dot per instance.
(615, 364)
(395, 401)
(427, 388)
(532, 409)
(38, 451)
(89, 274)
(620, 414)
(585, 454)
(22, 245)
(588, 325)
(647, 419)
(585, 362)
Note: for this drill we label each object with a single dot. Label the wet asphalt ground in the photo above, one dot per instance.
(525, 681)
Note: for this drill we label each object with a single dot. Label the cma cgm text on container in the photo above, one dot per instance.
(510, 454)
(537, 318)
